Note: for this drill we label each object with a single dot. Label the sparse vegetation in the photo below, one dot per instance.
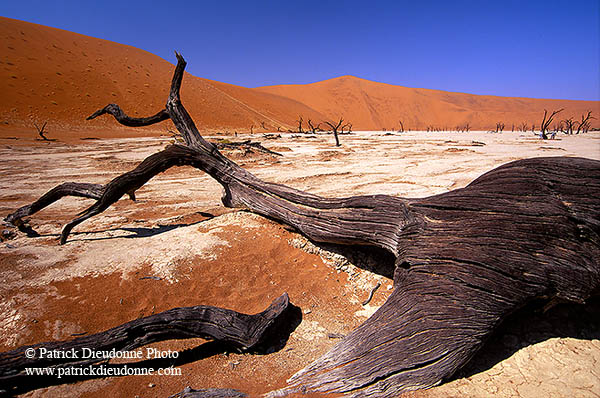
(41, 131)
(313, 128)
(546, 122)
(334, 128)
(568, 129)
(523, 127)
(584, 125)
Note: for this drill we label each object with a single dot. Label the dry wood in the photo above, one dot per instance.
(41, 131)
(209, 393)
(334, 128)
(248, 146)
(464, 259)
(546, 122)
(584, 125)
(237, 330)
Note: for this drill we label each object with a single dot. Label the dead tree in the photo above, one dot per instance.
(314, 128)
(41, 131)
(546, 122)
(401, 129)
(464, 259)
(334, 129)
(347, 126)
(523, 127)
(558, 126)
(300, 120)
(247, 146)
(584, 125)
(569, 125)
(499, 127)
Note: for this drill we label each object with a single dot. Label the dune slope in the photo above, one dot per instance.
(55, 76)
(375, 106)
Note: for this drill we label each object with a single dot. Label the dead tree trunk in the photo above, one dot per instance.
(314, 128)
(546, 122)
(401, 129)
(583, 126)
(239, 331)
(334, 129)
(569, 125)
(41, 131)
(300, 130)
(464, 259)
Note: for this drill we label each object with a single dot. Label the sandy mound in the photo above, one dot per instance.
(51, 75)
(62, 77)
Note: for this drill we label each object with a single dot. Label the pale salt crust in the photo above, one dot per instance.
(92, 254)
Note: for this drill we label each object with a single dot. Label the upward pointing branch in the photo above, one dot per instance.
(334, 128)
(546, 122)
(180, 116)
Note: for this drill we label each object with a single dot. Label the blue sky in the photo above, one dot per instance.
(540, 49)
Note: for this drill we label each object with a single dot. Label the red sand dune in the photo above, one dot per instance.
(374, 106)
(61, 77)
(53, 75)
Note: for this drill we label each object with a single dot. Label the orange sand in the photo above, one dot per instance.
(55, 76)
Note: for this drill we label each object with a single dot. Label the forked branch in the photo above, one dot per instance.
(334, 128)
(584, 125)
(546, 122)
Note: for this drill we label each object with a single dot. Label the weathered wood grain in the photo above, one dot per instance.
(464, 259)
(529, 229)
(237, 330)
(209, 393)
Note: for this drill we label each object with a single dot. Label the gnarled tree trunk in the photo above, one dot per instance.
(239, 331)
(464, 259)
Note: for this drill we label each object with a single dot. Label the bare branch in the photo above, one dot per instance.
(584, 124)
(546, 122)
(124, 119)
(241, 331)
(334, 128)
(83, 190)
(314, 128)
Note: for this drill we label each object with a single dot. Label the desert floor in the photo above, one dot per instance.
(198, 252)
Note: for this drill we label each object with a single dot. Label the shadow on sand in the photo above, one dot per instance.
(274, 340)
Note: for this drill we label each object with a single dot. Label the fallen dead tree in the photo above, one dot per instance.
(236, 330)
(465, 259)
(248, 146)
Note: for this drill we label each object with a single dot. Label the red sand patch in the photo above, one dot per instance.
(258, 266)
